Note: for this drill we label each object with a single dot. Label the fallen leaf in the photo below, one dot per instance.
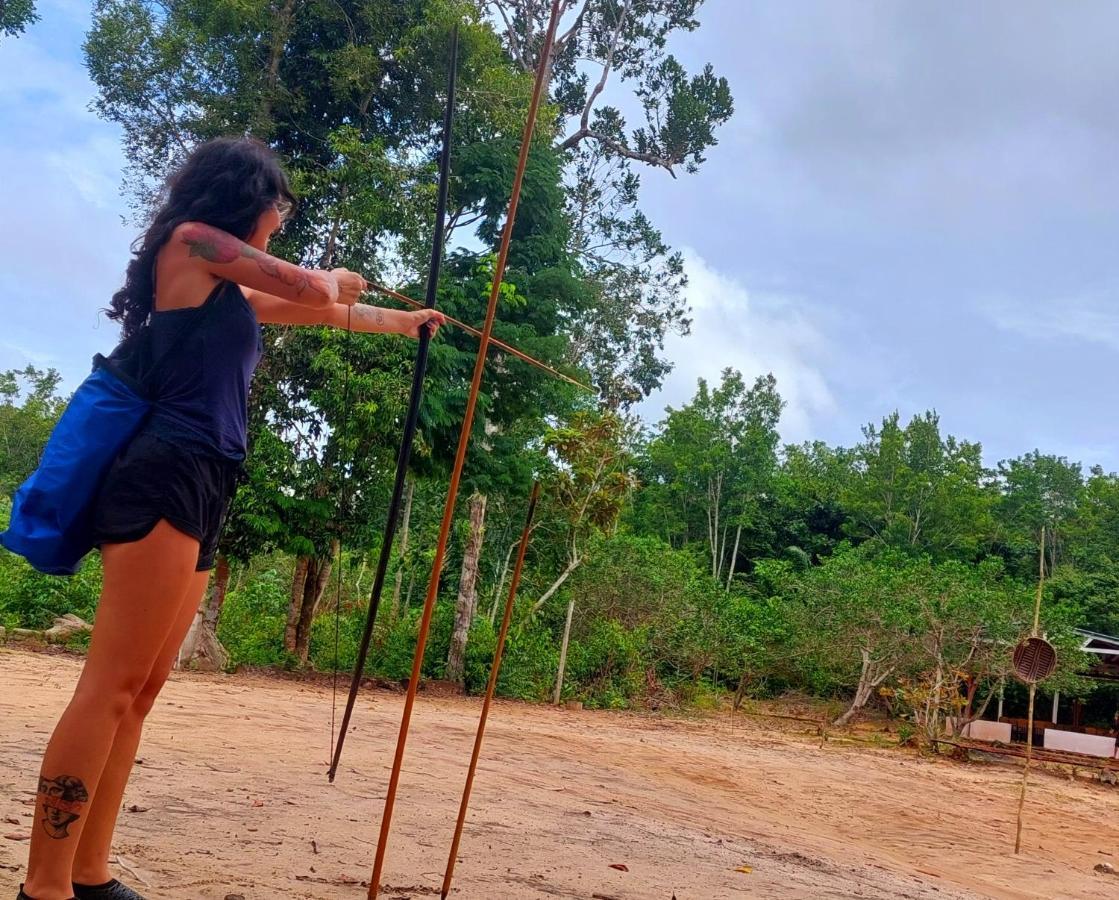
(621, 867)
(137, 809)
(258, 803)
(11, 820)
(18, 837)
(745, 870)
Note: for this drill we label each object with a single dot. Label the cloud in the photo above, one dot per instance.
(1091, 318)
(63, 247)
(755, 334)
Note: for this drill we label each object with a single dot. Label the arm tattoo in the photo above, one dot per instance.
(217, 246)
(62, 800)
(369, 314)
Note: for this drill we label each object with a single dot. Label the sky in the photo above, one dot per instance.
(913, 207)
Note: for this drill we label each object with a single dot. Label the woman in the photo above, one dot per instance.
(204, 277)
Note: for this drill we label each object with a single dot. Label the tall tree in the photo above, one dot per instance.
(16, 15)
(919, 490)
(589, 486)
(349, 94)
(714, 463)
(1038, 490)
(635, 280)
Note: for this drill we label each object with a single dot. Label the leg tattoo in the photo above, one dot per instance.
(62, 799)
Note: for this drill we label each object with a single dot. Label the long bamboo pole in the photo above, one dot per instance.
(404, 454)
(1033, 694)
(460, 454)
(491, 685)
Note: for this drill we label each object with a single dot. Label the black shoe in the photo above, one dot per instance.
(110, 890)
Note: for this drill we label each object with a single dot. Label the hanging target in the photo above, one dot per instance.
(1035, 659)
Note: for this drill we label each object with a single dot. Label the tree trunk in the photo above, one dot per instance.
(280, 34)
(467, 591)
(403, 549)
(307, 586)
(295, 605)
(740, 692)
(318, 575)
(202, 649)
(556, 585)
(869, 679)
(361, 574)
(734, 556)
(501, 581)
(563, 652)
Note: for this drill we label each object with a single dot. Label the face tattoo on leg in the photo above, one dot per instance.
(62, 800)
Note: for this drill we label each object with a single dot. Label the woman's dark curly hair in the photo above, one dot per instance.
(226, 183)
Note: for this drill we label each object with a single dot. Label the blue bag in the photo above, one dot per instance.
(52, 511)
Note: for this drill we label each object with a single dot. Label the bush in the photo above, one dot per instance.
(29, 599)
(528, 667)
(350, 625)
(604, 668)
(253, 621)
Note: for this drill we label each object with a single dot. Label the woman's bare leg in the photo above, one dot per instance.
(145, 582)
(91, 862)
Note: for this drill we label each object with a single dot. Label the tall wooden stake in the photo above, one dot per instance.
(1033, 694)
(460, 453)
(412, 419)
(490, 687)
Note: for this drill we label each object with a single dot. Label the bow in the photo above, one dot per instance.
(404, 455)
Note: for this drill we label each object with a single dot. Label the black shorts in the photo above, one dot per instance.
(156, 479)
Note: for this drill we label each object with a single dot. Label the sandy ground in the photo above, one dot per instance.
(231, 798)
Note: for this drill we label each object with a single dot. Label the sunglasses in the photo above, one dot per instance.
(285, 209)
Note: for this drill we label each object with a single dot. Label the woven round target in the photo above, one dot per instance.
(1034, 660)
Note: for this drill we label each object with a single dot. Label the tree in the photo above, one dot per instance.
(24, 428)
(920, 491)
(16, 15)
(635, 280)
(1038, 490)
(350, 95)
(808, 515)
(587, 488)
(467, 602)
(713, 466)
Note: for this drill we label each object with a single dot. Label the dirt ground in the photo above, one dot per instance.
(231, 798)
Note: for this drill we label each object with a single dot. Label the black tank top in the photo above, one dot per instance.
(203, 387)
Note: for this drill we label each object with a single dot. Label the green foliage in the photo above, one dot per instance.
(606, 664)
(919, 491)
(29, 599)
(25, 427)
(528, 667)
(16, 15)
(710, 472)
(253, 620)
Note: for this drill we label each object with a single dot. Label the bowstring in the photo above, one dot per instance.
(344, 434)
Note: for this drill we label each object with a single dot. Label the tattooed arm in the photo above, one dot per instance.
(224, 256)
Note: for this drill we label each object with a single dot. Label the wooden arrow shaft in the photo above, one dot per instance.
(470, 329)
